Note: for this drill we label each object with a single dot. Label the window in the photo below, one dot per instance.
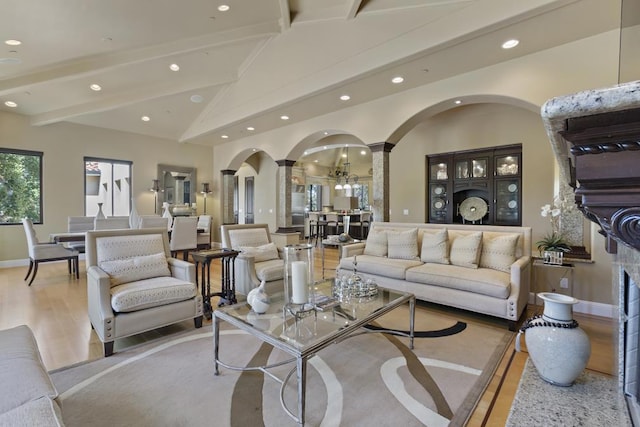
(314, 197)
(362, 193)
(20, 186)
(107, 187)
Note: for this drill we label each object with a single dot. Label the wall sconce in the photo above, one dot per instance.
(155, 187)
(205, 191)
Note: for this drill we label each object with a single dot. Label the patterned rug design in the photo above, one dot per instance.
(369, 379)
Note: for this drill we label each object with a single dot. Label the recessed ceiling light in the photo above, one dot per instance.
(345, 97)
(145, 118)
(510, 44)
(284, 117)
(250, 128)
(397, 79)
(316, 161)
(12, 42)
(196, 99)
(10, 104)
(457, 102)
(364, 153)
(95, 87)
(254, 150)
(174, 67)
(325, 147)
(223, 8)
(344, 155)
(224, 136)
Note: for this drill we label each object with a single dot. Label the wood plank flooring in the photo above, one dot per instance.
(55, 307)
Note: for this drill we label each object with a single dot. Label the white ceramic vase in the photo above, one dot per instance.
(258, 299)
(557, 346)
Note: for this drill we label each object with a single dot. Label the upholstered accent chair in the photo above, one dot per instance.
(46, 252)
(259, 257)
(133, 284)
(184, 236)
(204, 237)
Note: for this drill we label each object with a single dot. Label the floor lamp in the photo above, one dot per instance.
(155, 188)
(205, 191)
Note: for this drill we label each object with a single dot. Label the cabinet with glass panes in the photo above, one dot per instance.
(491, 175)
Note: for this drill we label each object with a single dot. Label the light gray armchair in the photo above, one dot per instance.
(259, 258)
(133, 284)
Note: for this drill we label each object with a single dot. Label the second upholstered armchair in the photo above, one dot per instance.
(259, 257)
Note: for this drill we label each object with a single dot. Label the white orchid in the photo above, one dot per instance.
(548, 210)
(554, 240)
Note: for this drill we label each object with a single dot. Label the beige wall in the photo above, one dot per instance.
(64, 146)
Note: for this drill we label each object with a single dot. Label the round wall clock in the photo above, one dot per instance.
(473, 208)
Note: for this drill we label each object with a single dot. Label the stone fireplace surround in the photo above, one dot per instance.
(595, 136)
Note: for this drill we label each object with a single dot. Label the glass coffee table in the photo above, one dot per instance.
(303, 337)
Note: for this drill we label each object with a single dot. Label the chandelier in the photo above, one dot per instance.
(346, 174)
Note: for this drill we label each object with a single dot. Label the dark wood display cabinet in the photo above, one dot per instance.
(478, 187)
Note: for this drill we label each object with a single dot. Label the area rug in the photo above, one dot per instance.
(594, 400)
(369, 379)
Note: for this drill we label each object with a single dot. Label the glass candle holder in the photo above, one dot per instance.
(298, 279)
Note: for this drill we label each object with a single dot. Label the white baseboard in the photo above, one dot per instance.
(587, 307)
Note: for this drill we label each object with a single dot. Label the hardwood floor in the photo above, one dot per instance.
(55, 308)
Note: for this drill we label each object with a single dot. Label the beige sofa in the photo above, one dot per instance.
(133, 284)
(27, 394)
(480, 268)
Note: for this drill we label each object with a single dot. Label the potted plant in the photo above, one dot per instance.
(553, 246)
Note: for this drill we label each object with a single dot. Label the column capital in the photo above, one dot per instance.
(228, 172)
(285, 162)
(381, 146)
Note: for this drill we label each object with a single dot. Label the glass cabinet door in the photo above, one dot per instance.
(439, 172)
(507, 200)
(507, 165)
(438, 208)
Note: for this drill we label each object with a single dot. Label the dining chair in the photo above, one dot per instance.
(153, 221)
(184, 236)
(313, 227)
(46, 252)
(204, 231)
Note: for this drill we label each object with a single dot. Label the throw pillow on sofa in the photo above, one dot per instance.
(435, 247)
(403, 244)
(376, 244)
(499, 252)
(465, 250)
(136, 268)
(261, 253)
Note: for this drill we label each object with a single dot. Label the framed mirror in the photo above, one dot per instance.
(177, 187)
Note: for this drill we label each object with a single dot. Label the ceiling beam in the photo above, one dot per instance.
(354, 8)
(285, 15)
(123, 99)
(92, 65)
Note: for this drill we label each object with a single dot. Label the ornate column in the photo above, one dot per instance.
(284, 219)
(380, 158)
(226, 195)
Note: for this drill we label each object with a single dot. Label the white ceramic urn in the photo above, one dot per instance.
(557, 346)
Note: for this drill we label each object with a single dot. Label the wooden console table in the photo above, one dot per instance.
(228, 281)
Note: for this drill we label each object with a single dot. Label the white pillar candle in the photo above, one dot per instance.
(299, 282)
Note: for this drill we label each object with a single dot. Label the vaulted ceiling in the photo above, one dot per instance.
(240, 70)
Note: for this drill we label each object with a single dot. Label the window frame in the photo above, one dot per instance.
(40, 156)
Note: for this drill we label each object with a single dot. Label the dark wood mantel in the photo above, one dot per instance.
(601, 160)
